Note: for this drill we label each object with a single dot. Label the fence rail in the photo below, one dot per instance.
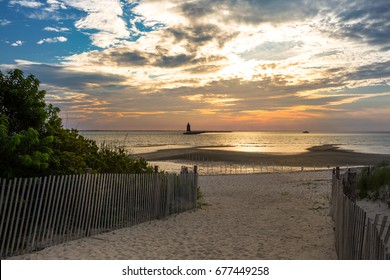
(40, 212)
(357, 236)
(226, 168)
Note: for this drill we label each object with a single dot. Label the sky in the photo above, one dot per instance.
(317, 65)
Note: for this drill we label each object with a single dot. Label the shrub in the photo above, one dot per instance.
(375, 185)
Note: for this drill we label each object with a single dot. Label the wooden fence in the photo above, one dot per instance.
(40, 212)
(357, 237)
(225, 168)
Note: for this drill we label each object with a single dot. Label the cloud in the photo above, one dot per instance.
(202, 69)
(26, 3)
(160, 58)
(102, 20)
(376, 70)
(364, 21)
(241, 11)
(273, 50)
(4, 22)
(63, 77)
(198, 35)
(213, 99)
(328, 53)
(59, 39)
(56, 29)
(55, 5)
(17, 43)
(173, 61)
(48, 7)
(126, 57)
(196, 9)
(47, 10)
(103, 17)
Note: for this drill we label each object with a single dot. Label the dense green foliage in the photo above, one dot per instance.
(375, 185)
(118, 160)
(33, 141)
(22, 102)
(25, 148)
(23, 153)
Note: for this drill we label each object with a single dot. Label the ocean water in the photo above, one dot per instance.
(266, 142)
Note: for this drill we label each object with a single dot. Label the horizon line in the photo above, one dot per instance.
(292, 131)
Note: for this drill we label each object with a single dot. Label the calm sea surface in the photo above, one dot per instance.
(273, 142)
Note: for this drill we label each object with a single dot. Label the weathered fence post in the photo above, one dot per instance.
(195, 189)
(157, 194)
(349, 184)
(170, 188)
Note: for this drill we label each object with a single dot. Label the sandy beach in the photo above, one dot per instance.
(252, 216)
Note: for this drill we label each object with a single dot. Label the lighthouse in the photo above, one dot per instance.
(188, 127)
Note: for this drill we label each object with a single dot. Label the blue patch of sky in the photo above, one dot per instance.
(129, 16)
(27, 25)
(24, 27)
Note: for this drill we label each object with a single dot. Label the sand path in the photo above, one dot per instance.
(257, 216)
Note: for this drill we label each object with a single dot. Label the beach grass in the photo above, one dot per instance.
(375, 185)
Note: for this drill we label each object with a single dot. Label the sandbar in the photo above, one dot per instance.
(324, 155)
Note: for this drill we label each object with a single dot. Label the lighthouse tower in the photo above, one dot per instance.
(188, 127)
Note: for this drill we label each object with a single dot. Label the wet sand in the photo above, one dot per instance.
(325, 155)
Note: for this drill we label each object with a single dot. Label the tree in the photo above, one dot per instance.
(72, 152)
(22, 102)
(33, 141)
(24, 150)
